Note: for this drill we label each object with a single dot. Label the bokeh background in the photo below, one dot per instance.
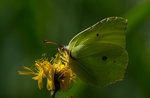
(24, 24)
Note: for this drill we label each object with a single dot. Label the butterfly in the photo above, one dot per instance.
(98, 54)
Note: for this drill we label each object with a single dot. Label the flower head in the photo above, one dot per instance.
(57, 72)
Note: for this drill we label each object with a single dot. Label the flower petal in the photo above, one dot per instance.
(27, 68)
(50, 80)
(26, 73)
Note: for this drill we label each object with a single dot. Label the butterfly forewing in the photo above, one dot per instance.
(110, 30)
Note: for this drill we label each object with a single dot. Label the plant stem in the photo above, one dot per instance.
(53, 96)
(52, 93)
(138, 15)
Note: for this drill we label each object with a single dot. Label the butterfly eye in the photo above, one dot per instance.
(62, 49)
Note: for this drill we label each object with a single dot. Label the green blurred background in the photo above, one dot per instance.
(24, 24)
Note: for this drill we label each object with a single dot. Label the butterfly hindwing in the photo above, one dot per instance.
(102, 67)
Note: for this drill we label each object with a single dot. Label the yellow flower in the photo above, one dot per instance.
(57, 71)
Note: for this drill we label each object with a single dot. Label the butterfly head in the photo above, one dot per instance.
(64, 49)
(61, 47)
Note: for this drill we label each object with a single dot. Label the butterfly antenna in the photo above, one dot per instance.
(50, 42)
(62, 47)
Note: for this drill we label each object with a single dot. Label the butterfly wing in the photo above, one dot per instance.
(98, 54)
(104, 66)
(110, 30)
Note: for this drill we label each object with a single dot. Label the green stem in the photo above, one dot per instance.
(138, 15)
(53, 96)
(52, 93)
